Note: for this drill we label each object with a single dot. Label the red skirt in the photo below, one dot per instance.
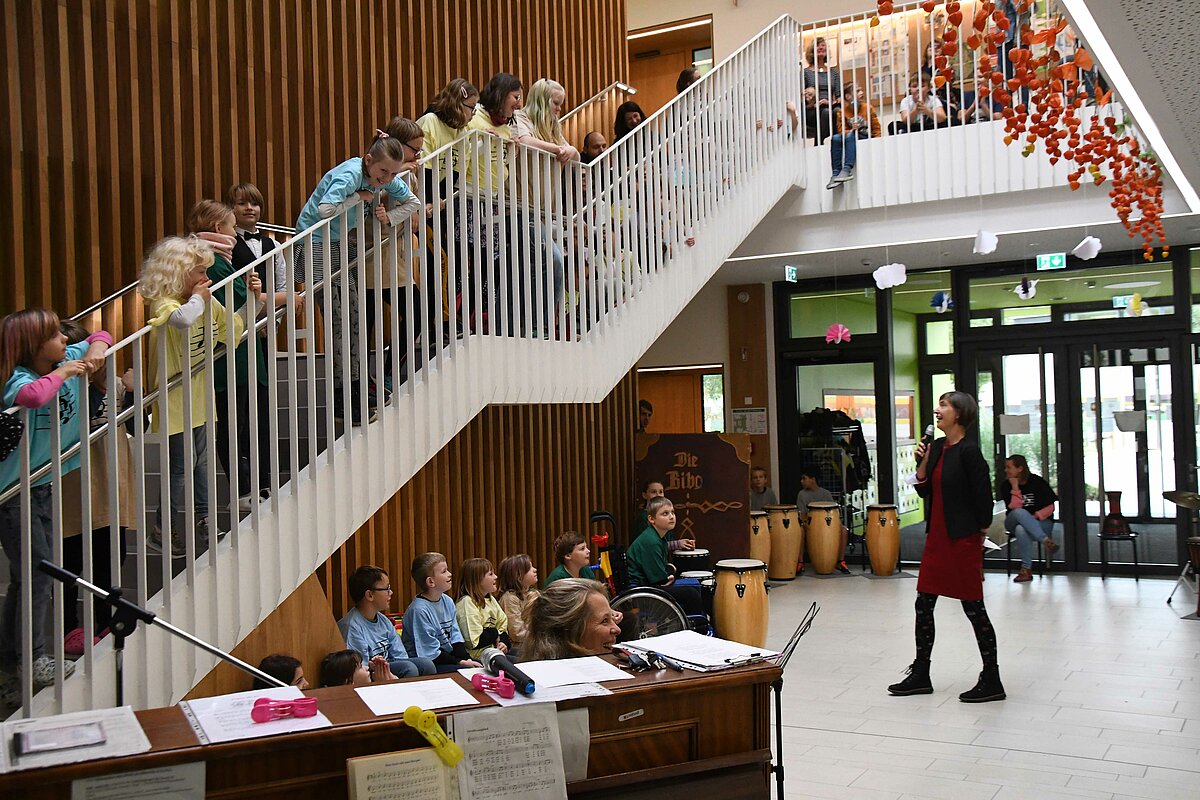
(949, 567)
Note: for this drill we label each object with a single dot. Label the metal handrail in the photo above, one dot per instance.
(624, 87)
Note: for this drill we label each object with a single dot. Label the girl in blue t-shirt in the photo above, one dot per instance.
(38, 369)
(345, 188)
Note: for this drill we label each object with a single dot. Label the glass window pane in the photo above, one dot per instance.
(1025, 315)
(939, 337)
(812, 314)
(713, 386)
(1080, 294)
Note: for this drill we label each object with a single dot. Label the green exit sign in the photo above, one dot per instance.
(790, 274)
(1051, 261)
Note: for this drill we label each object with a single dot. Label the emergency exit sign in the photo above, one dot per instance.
(790, 274)
(1051, 261)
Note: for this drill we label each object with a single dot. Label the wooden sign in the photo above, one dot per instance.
(707, 477)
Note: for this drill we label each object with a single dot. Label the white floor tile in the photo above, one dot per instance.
(1103, 684)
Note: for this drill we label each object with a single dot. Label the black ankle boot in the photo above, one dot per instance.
(988, 689)
(917, 681)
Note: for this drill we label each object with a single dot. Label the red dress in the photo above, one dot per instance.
(949, 567)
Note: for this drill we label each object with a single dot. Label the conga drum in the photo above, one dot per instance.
(760, 537)
(740, 610)
(708, 586)
(787, 540)
(883, 538)
(824, 534)
(691, 560)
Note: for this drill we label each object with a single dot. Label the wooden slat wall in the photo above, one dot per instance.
(509, 483)
(122, 113)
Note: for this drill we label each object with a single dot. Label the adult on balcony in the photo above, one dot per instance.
(826, 80)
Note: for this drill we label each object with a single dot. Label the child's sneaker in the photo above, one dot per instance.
(154, 543)
(73, 642)
(44, 668)
(201, 535)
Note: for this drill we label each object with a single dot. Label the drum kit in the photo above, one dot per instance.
(1190, 501)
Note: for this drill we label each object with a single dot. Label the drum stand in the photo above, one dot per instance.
(777, 687)
(1186, 582)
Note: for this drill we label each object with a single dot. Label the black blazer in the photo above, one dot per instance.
(966, 488)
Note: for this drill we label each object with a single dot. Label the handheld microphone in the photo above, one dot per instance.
(926, 439)
(497, 663)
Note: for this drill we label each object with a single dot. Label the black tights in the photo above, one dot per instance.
(985, 634)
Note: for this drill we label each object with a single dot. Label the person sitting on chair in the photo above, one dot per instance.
(569, 619)
(1030, 517)
(812, 492)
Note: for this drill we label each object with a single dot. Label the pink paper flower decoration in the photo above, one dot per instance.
(837, 333)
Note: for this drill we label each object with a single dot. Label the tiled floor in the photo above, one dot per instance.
(1103, 683)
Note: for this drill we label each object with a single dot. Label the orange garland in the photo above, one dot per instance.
(1050, 114)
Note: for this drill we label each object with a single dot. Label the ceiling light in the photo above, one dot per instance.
(682, 26)
(1131, 285)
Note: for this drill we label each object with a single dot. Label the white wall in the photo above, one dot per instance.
(699, 335)
(735, 23)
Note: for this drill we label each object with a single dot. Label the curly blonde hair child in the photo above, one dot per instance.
(169, 270)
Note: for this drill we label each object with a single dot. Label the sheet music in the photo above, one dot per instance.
(406, 775)
(565, 671)
(395, 698)
(227, 718)
(511, 753)
(704, 652)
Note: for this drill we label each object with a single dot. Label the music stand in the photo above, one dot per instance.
(777, 686)
(125, 618)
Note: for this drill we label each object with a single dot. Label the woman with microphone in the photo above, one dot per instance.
(953, 479)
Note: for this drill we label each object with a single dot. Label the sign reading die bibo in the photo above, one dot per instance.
(707, 478)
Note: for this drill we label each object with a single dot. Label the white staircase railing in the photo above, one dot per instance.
(477, 315)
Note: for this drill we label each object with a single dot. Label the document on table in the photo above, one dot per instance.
(511, 753)
(699, 652)
(395, 698)
(553, 694)
(565, 671)
(227, 718)
(179, 782)
(405, 775)
(122, 735)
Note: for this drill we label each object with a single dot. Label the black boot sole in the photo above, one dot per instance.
(908, 692)
(990, 698)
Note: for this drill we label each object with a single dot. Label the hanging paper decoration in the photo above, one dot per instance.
(1137, 305)
(1026, 289)
(1087, 249)
(1042, 95)
(985, 242)
(890, 275)
(837, 333)
(941, 302)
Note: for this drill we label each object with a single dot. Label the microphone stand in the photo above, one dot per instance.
(127, 615)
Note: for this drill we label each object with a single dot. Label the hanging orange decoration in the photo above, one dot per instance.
(1102, 150)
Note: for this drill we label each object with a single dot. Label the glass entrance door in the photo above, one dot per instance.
(1018, 415)
(1127, 444)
